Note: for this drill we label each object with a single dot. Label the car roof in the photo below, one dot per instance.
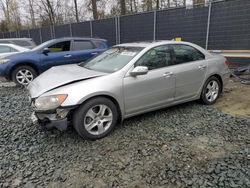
(16, 39)
(145, 44)
(13, 46)
(78, 38)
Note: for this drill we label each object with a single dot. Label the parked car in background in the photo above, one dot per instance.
(124, 81)
(8, 49)
(22, 68)
(24, 42)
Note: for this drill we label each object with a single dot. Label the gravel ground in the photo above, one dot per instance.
(188, 145)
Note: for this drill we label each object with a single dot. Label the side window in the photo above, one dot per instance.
(4, 49)
(20, 42)
(185, 53)
(157, 57)
(82, 45)
(13, 50)
(60, 47)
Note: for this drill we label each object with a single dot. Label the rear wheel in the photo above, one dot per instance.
(23, 75)
(211, 90)
(95, 119)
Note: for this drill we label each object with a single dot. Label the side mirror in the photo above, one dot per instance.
(46, 51)
(139, 70)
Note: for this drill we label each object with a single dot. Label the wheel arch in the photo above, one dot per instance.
(22, 64)
(120, 114)
(219, 78)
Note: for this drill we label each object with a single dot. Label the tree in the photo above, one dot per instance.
(157, 4)
(197, 2)
(47, 6)
(11, 12)
(76, 10)
(94, 9)
(32, 13)
(123, 7)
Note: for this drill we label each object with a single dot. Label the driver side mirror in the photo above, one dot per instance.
(139, 70)
(46, 51)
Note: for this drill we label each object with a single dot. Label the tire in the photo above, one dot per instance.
(211, 90)
(95, 118)
(23, 75)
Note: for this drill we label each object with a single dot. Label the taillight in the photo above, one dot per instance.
(227, 62)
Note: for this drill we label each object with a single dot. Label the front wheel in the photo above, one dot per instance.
(95, 119)
(23, 75)
(211, 90)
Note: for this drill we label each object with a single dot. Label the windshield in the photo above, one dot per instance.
(113, 59)
(43, 45)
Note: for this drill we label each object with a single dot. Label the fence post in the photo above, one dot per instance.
(70, 30)
(119, 29)
(91, 28)
(29, 33)
(40, 33)
(116, 31)
(154, 25)
(52, 32)
(208, 24)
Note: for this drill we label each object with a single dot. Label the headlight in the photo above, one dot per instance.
(49, 102)
(3, 61)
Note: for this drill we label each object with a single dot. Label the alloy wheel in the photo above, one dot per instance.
(98, 119)
(24, 76)
(212, 91)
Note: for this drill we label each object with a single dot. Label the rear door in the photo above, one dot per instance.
(83, 50)
(59, 54)
(190, 70)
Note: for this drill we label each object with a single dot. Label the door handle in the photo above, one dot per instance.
(202, 67)
(168, 74)
(94, 53)
(68, 55)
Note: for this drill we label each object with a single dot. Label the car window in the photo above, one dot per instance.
(5, 42)
(185, 53)
(157, 57)
(21, 42)
(60, 47)
(82, 45)
(13, 50)
(5, 49)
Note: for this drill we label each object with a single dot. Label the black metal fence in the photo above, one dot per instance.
(216, 25)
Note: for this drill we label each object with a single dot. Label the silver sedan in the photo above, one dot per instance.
(124, 81)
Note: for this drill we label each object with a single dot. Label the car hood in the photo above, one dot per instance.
(59, 76)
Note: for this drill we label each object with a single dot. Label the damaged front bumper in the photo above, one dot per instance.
(52, 119)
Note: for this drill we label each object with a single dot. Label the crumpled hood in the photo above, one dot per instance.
(58, 76)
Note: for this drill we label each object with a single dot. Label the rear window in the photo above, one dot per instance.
(5, 49)
(82, 45)
(100, 44)
(5, 42)
(21, 42)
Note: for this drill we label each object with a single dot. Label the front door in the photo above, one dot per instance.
(156, 88)
(59, 54)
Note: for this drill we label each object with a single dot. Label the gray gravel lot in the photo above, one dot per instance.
(189, 145)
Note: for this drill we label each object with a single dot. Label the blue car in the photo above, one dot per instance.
(22, 68)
